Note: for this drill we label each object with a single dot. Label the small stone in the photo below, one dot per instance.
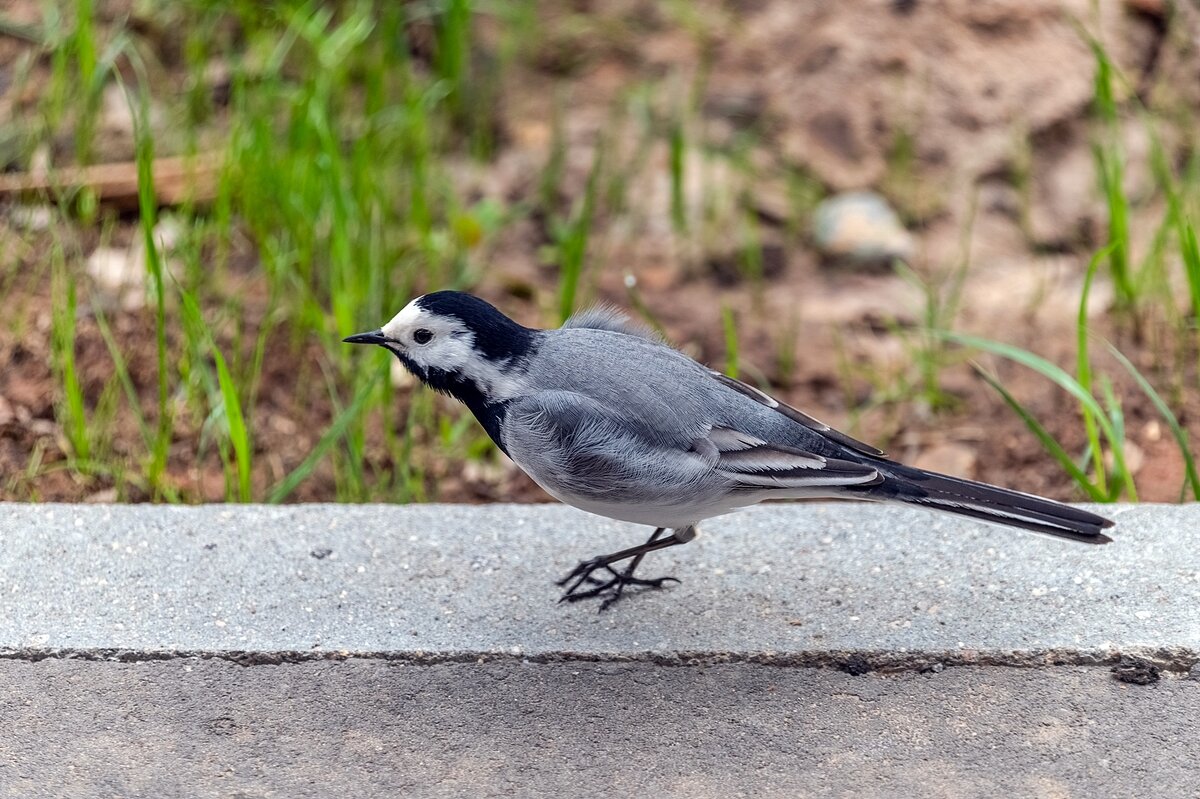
(40, 161)
(42, 427)
(320, 553)
(119, 277)
(115, 114)
(1194, 671)
(860, 227)
(168, 233)
(856, 666)
(283, 425)
(31, 218)
(1135, 457)
(1136, 671)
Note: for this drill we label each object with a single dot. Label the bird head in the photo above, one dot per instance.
(456, 343)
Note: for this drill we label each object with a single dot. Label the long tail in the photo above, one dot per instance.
(990, 503)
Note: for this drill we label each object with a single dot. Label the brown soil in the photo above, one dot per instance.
(822, 104)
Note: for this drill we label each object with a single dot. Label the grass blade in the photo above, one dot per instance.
(147, 214)
(1111, 168)
(239, 435)
(678, 201)
(231, 406)
(1083, 366)
(1177, 430)
(122, 370)
(1191, 263)
(574, 240)
(731, 341)
(62, 339)
(336, 430)
(1039, 365)
(1116, 442)
(1049, 442)
(1063, 380)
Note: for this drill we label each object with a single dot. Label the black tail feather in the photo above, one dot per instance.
(992, 503)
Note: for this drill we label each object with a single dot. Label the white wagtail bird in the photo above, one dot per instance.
(607, 417)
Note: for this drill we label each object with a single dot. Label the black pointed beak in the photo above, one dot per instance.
(373, 337)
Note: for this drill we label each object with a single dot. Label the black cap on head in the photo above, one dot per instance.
(496, 336)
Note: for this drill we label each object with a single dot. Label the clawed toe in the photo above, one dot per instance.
(611, 589)
(584, 572)
(582, 582)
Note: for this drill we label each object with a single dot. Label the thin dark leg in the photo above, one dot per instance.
(613, 588)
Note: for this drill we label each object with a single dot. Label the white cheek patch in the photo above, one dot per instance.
(447, 351)
(402, 321)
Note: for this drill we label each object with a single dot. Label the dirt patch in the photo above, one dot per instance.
(945, 106)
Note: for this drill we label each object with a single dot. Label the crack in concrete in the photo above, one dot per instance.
(1168, 659)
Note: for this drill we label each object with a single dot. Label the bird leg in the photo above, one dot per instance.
(613, 588)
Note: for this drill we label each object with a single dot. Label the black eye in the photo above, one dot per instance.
(422, 336)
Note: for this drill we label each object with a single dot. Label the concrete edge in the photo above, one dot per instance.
(1169, 659)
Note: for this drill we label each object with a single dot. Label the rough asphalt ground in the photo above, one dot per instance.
(371, 728)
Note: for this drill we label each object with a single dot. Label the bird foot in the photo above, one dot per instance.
(585, 585)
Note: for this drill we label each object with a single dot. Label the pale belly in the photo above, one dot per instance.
(670, 516)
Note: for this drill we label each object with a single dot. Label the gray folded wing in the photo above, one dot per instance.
(578, 448)
(754, 464)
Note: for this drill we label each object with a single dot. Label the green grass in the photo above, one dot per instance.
(1101, 471)
(1144, 293)
(678, 149)
(335, 178)
(1108, 483)
(1102, 418)
(1190, 255)
(1110, 167)
(147, 208)
(571, 237)
(336, 431)
(227, 405)
(1180, 435)
(729, 326)
(72, 413)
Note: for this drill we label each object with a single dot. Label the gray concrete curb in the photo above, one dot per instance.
(816, 584)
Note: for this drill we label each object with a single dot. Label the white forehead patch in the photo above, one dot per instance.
(408, 316)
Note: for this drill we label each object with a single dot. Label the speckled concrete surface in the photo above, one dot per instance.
(373, 728)
(773, 582)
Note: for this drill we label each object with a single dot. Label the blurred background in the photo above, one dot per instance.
(963, 231)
